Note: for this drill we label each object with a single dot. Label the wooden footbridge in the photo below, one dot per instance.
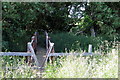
(39, 56)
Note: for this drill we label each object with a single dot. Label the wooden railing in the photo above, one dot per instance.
(49, 44)
(49, 49)
(34, 41)
(31, 49)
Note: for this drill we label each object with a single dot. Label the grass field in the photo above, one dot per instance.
(84, 67)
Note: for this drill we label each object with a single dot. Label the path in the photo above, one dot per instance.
(41, 52)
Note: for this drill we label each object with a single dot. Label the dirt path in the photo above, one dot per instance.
(40, 55)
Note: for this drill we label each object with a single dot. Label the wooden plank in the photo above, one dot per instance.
(33, 53)
(67, 54)
(15, 54)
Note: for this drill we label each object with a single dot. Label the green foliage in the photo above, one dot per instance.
(67, 42)
(35, 15)
(15, 41)
(106, 21)
(82, 25)
(21, 19)
(103, 18)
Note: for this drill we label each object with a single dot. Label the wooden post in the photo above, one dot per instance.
(52, 57)
(51, 50)
(34, 42)
(29, 58)
(36, 33)
(46, 40)
(90, 48)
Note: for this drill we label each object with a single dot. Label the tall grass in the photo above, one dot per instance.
(15, 67)
(67, 67)
(84, 67)
(104, 66)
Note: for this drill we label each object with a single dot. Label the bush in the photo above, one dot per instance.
(15, 41)
(68, 41)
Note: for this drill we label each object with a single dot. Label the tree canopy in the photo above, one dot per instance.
(81, 18)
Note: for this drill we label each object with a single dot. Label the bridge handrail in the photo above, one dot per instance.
(34, 41)
(49, 47)
(32, 47)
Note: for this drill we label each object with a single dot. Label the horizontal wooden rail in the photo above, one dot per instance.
(15, 54)
(24, 67)
(66, 54)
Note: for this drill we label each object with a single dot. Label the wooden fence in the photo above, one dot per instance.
(31, 48)
(50, 53)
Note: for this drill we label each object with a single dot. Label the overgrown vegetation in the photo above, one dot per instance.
(64, 67)
(15, 67)
(84, 67)
(72, 27)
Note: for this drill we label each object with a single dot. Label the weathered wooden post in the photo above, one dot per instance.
(34, 44)
(52, 51)
(29, 58)
(46, 40)
(35, 34)
(90, 48)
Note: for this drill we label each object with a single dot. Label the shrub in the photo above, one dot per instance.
(15, 41)
(68, 41)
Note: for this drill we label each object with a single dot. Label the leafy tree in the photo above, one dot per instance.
(100, 17)
(22, 19)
